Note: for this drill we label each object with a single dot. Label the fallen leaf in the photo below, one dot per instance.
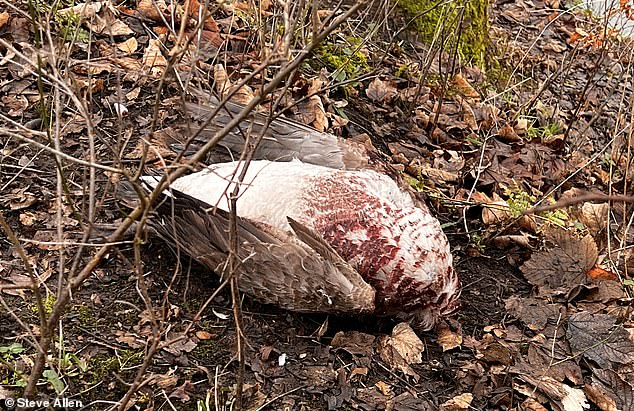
(598, 338)
(313, 113)
(598, 274)
(463, 87)
(508, 134)
(4, 18)
(401, 349)
(610, 391)
(600, 398)
(204, 335)
(182, 392)
(521, 126)
(533, 312)
(153, 59)
(354, 342)
(448, 338)
(458, 403)
(152, 9)
(129, 46)
(358, 371)
(495, 211)
(562, 266)
(379, 90)
(530, 404)
(384, 388)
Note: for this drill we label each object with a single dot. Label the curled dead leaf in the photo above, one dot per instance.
(521, 126)
(464, 87)
(384, 388)
(508, 134)
(449, 338)
(153, 59)
(4, 18)
(401, 349)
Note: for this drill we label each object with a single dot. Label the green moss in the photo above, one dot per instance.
(102, 365)
(343, 57)
(207, 349)
(48, 304)
(85, 314)
(472, 37)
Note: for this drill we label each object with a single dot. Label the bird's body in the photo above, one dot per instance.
(324, 234)
(396, 247)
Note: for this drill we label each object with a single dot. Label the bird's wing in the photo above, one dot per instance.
(275, 267)
(283, 139)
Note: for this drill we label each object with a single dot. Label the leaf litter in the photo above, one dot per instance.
(562, 345)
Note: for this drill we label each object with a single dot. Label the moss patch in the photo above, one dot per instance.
(344, 57)
(470, 32)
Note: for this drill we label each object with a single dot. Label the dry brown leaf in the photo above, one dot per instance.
(354, 342)
(129, 339)
(508, 134)
(128, 64)
(133, 94)
(4, 18)
(182, 392)
(164, 381)
(448, 338)
(600, 398)
(221, 80)
(562, 266)
(598, 338)
(14, 105)
(86, 11)
(611, 390)
(503, 241)
(224, 86)
(196, 9)
(358, 371)
(463, 87)
(24, 282)
(204, 335)
(458, 403)
(153, 60)
(129, 46)
(468, 115)
(29, 218)
(600, 274)
(531, 405)
(100, 17)
(533, 312)
(316, 107)
(384, 388)
(496, 211)
(594, 217)
(182, 345)
(521, 126)
(544, 389)
(152, 9)
(401, 349)
(379, 90)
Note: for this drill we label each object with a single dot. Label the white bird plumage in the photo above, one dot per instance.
(315, 237)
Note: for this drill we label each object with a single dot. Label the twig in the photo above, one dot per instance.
(282, 395)
(577, 200)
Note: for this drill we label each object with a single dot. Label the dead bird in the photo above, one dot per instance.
(315, 238)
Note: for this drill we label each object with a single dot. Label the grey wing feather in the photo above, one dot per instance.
(284, 139)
